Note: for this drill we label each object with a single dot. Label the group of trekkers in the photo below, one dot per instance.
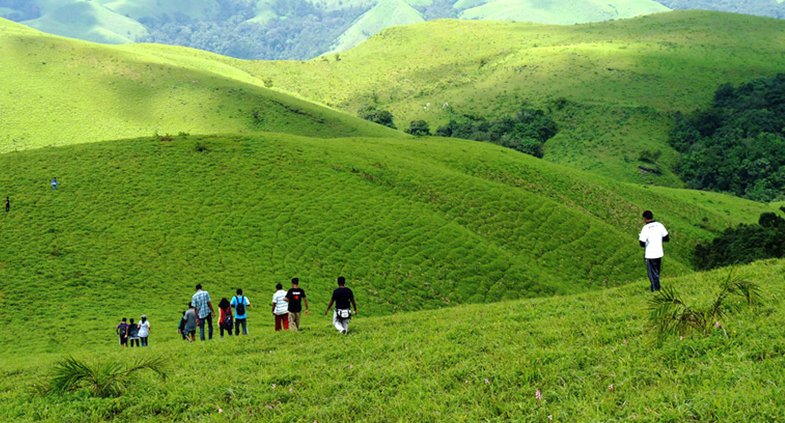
(131, 333)
(286, 308)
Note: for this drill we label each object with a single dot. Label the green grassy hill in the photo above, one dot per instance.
(620, 81)
(563, 12)
(469, 363)
(59, 91)
(413, 223)
(89, 21)
(384, 14)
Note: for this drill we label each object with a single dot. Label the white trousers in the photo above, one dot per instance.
(340, 325)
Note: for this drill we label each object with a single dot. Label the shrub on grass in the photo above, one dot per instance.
(103, 380)
(671, 315)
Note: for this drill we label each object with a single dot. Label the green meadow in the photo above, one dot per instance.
(483, 275)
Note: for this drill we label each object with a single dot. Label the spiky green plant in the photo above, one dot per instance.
(101, 380)
(671, 315)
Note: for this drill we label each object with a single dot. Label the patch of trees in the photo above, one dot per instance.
(771, 8)
(525, 131)
(738, 144)
(744, 244)
(376, 115)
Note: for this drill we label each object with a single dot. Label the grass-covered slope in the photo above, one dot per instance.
(468, 363)
(621, 80)
(90, 21)
(558, 12)
(385, 13)
(58, 91)
(413, 224)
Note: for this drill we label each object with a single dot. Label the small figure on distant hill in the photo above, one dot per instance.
(225, 323)
(189, 323)
(122, 331)
(651, 238)
(133, 333)
(280, 309)
(204, 311)
(343, 298)
(54, 183)
(7, 204)
(144, 330)
(240, 303)
(295, 297)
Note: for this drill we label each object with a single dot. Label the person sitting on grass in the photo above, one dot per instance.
(122, 331)
(342, 297)
(280, 309)
(225, 317)
(133, 333)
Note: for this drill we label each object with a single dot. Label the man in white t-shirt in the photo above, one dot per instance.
(280, 309)
(651, 238)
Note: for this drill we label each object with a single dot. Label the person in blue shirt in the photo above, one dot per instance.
(54, 183)
(240, 304)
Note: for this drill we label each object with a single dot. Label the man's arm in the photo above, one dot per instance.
(305, 300)
(354, 304)
(642, 243)
(329, 306)
(666, 238)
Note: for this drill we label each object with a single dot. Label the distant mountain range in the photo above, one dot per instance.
(302, 29)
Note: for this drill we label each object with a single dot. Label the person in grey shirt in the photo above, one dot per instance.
(189, 329)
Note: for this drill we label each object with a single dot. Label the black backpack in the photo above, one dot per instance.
(240, 307)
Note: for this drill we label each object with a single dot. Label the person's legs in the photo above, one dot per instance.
(285, 321)
(294, 321)
(221, 330)
(277, 323)
(209, 319)
(144, 341)
(345, 326)
(653, 270)
(201, 329)
(337, 323)
(245, 326)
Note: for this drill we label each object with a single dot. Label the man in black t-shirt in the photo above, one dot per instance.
(295, 297)
(343, 298)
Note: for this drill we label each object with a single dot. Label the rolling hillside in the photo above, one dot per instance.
(59, 91)
(413, 223)
(612, 87)
(591, 357)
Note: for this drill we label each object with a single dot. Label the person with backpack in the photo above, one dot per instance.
(343, 298)
(133, 333)
(122, 330)
(295, 297)
(225, 322)
(144, 330)
(280, 309)
(651, 238)
(203, 307)
(240, 303)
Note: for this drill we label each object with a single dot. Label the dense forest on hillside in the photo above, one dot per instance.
(744, 244)
(771, 8)
(738, 144)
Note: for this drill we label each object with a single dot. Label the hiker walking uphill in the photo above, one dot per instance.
(295, 297)
(240, 304)
(651, 238)
(122, 330)
(343, 298)
(54, 183)
(225, 320)
(204, 311)
(280, 309)
(7, 204)
(144, 330)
